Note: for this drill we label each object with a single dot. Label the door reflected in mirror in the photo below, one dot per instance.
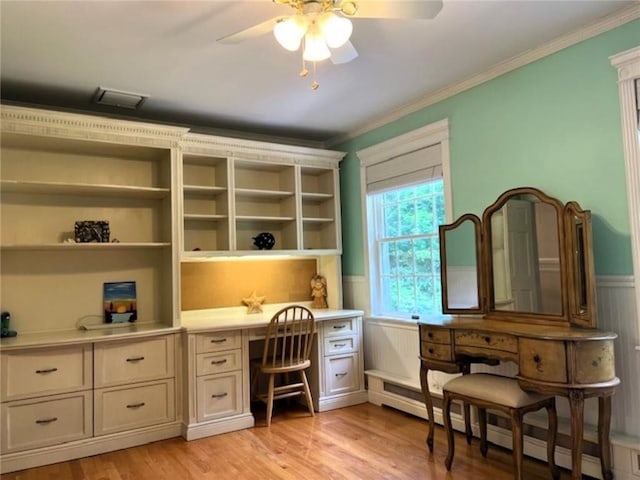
(525, 257)
(459, 242)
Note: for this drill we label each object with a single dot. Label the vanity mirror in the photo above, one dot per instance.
(529, 259)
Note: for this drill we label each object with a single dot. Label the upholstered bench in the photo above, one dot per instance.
(494, 392)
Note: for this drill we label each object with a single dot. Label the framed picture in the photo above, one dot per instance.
(88, 231)
(120, 304)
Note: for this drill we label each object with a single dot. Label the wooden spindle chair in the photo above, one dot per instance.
(287, 349)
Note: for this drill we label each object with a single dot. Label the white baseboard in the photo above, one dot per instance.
(87, 447)
(341, 401)
(216, 427)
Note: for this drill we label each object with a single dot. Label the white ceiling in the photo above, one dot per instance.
(57, 53)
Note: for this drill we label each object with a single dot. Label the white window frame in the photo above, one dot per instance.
(432, 134)
(628, 65)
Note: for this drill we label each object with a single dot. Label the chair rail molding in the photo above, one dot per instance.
(628, 65)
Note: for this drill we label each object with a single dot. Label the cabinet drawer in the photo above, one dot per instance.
(436, 351)
(216, 341)
(342, 374)
(340, 327)
(44, 421)
(118, 363)
(333, 345)
(219, 396)
(128, 407)
(32, 373)
(210, 363)
(432, 334)
(495, 341)
(543, 360)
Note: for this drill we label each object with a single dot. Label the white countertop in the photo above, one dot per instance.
(237, 318)
(192, 321)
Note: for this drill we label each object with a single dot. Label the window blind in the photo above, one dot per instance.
(412, 167)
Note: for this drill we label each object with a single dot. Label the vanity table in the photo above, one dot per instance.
(519, 285)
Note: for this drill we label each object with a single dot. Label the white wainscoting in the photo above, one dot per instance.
(391, 349)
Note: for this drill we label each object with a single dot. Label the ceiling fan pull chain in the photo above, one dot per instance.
(314, 84)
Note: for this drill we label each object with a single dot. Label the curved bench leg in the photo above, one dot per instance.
(551, 438)
(467, 422)
(446, 414)
(482, 420)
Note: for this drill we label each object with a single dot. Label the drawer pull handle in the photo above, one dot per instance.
(536, 358)
(46, 421)
(136, 405)
(431, 350)
(339, 327)
(339, 345)
(46, 370)
(487, 339)
(218, 340)
(343, 374)
(219, 395)
(135, 359)
(218, 362)
(430, 334)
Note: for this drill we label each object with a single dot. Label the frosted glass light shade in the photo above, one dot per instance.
(289, 32)
(336, 30)
(315, 48)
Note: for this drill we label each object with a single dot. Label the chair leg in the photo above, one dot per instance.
(270, 398)
(482, 420)
(307, 392)
(467, 422)
(516, 429)
(551, 438)
(446, 411)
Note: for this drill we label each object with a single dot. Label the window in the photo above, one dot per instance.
(405, 192)
(406, 248)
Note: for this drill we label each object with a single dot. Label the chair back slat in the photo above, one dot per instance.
(289, 337)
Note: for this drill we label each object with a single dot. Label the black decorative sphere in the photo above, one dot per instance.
(264, 241)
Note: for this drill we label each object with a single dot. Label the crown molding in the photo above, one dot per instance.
(596, 28)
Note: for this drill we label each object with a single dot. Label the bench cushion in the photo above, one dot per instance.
(493, 389)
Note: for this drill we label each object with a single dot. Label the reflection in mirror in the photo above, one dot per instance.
(525, 256)
(459, 245)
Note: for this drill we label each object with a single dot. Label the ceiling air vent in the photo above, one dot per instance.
(117, 98)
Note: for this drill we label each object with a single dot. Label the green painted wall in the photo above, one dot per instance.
(553, 124)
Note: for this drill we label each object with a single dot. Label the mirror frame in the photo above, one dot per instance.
(577, 273)
(531, 317)
(477, 230)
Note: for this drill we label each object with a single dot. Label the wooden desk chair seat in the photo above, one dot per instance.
(287, 349)
(488, 391)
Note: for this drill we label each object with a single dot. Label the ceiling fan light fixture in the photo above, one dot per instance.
(289, 32)
(315, 47)
(349, 8)
(336, 30)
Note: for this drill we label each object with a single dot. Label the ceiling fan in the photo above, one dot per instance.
(323, 28)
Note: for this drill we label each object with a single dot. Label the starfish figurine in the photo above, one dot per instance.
(254, 303)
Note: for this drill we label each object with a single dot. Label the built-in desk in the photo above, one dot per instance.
(560, 360)
(217, 355)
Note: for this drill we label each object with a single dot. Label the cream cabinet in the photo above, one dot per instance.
(119, 392)
(337, 377)
(217, 383)
(46, 397)
(134, 384)
(234, 190)
(60, 168)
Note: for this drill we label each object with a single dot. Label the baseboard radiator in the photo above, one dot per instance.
(392, 372)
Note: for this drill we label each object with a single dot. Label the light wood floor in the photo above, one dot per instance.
(361, 442)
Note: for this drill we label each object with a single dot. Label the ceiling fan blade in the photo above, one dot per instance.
(418, 9)
(343, 54)
(251, 32)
